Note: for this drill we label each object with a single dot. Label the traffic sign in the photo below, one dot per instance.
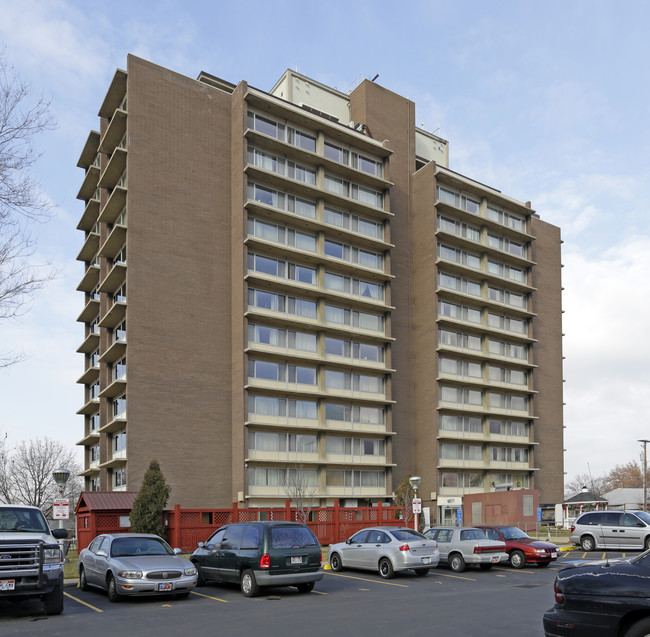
(417, 505)
(61, 509)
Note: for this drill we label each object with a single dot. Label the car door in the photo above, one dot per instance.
(102, 561)
(608, 529)
(352, 552)
(209, 556)
(631, 532)
(228, 560)
(444, 538)
(373, 548)
(90, 560)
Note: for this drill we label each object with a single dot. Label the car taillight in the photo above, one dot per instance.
(487, 549)
(265, 561)
(404, 547)
(559, 596)
(573, 528)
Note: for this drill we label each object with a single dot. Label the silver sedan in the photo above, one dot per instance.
(460, 546)
(135, 564)
(387, 550)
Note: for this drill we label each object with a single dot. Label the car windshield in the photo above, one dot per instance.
(285, 537)
(513, 533)
(643, 515)
(132, 546)
(26, 520)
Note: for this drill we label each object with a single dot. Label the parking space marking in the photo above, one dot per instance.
(225, 601)
(469, 579)
(76, 599)
(319, 592)
(363, 579)
(509, 570)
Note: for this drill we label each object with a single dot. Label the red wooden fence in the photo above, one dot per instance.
(187, 527)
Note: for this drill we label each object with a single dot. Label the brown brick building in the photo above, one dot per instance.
(316, 304)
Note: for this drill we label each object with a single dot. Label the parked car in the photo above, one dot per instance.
(521, 548)
(387, 550)
(258, 554)
(601, 599)
(135, 564)
(460, 546)
(618, 530)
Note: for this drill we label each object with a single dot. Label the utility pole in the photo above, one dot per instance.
(645, 473)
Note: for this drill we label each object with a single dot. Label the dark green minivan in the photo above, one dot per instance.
(257, 554)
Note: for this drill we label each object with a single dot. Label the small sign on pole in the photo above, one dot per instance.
(61, 509)
(417, 505)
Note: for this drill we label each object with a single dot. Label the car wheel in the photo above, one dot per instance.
(457, 563)
(421, 571)
(640, 629)
(54, 601)
(517, 559)
(587, 543)
(307, 587)
(248, 584)
(83, 582)
(335, 562)
(485, 567)
(646, 544)
(386, 568)
(113, 595)
(200, 580)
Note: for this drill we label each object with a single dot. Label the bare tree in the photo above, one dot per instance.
(302, 491)
(22, 118)
(594, 484)
(625, 476)
(404, 495)
(26, 473)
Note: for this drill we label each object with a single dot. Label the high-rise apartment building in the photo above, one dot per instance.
(291, 291)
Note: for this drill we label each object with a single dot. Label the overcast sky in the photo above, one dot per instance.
(546, 101)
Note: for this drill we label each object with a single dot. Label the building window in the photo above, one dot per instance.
(464, 424)
(283, 443)
(505, 375)
(507, 324)
(461, 480)
(119, 333)
(281, 200)
(278, 337)
(119, 406)
(460, 368)
(458, 200)
(461, 452)
(94, 422)
(94, 453)
(461, 396)
(356, 287)
(461, 257)
(119, 477)
(509, 454)
(506, 245)
(508, 401)
(506, 271)
(354, 350)
(459, 312)
(272, 406)
(358, 382)
(281, 372)
(281, 235)
(507, 219)
(459, 284)
(352, 254)
(451, 226)
(507, 350)
(507, 297)
(119, 441)
(119, 369)
(280, 303)
(459, 340)
(509, 428)
(354, 318)
(341, 478)
(355, 414)
(93, 484)
(338, 445)
(353, 223)
(282, 269)
(120, 295)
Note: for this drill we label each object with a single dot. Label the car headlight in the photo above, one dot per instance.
(190, 571)
(541, 551)
(130, 574)
(52, 556)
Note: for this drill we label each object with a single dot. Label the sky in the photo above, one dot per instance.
(548, 102)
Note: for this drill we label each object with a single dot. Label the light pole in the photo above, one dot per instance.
(645, 474)
(61, 477)
(414, 481)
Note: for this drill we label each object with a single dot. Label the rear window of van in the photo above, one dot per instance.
(285, 537)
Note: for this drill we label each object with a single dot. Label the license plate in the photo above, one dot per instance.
(494, 559)
(7, 585)
(167, 586)
(553, 554)
(296, 559)
(426, 560)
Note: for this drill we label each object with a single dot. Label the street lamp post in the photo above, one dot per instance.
(645, 474)
(61, 477)
(414, 481)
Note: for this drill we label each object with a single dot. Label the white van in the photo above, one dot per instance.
(618, 530)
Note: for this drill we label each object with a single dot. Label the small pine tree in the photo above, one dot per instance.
(148, 506)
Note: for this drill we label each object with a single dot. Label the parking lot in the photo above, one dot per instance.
(502, 601)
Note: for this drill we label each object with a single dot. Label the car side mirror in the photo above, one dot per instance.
(177, 551)
(209, 547)
(102, 553)
(348, 541)
(201, 545)
(60, 534)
